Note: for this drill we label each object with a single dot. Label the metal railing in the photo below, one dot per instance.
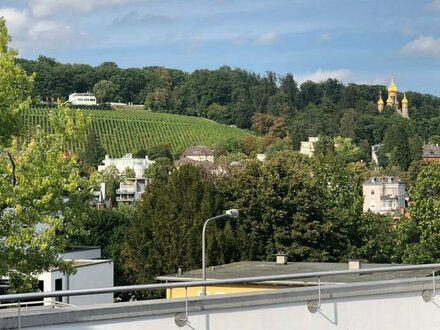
(41, 303)
(22, 297)
(239, 280)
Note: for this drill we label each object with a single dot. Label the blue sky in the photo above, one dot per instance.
(352, 40)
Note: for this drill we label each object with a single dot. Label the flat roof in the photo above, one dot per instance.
(82, 263)
(264, 268)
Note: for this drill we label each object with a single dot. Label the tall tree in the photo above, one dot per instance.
(43, 198)
(419, 235)
(166, 230)
(106, 91)
(15, 88)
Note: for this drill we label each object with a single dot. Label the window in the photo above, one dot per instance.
(372, 191)
(59, 287)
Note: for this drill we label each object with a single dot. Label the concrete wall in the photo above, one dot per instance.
(91, 276)
(379, 305)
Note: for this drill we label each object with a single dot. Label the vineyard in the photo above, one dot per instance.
(126, 131)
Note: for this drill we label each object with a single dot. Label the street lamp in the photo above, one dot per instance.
(233, 214)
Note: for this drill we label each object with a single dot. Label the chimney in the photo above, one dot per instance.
(354, 264)
(281, 258)
(179, 270)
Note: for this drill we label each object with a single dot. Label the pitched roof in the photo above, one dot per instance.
(379, 180)
(431, 151)
(198, 151)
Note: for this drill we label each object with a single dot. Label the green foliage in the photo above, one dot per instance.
(106, 91)
(15, 88)
(346, 150)
(158, 172)
(419, 235)
(43, 199)
(111, 177)
(292, 205)
(376, 238)
(93, 152)
(166, 229)
(325, 146)
(106, 228)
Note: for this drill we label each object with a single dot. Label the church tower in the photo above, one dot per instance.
(392, 95)
(392, 101)
(405, 107)
(380, 102)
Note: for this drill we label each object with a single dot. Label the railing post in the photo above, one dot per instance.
(319, 292)
(181, 322)
(19, 315)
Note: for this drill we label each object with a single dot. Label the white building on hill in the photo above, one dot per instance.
(384, 195)
(138, 165)
(82, 99)
(307, 147)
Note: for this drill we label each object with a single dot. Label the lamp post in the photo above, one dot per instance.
(232, 213)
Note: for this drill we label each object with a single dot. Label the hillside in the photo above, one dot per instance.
(126, 130)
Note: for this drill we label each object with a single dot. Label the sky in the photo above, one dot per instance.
(355, 41)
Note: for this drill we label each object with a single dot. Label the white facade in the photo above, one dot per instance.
(82, 99)
(139, 165)
(90, 274)
(130, 190)
(384, 195)
(374, 150)
(378, 305)
(307, 147)
(261, 157)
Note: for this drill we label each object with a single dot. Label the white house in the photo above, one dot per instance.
(130, 190)
(307, 147)
(139, 165)
(82, 99)
(384, 195)
(90, 274)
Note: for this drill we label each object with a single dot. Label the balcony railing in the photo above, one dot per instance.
(313, 306)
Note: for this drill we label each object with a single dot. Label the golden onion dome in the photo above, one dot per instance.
(380, 102)
(392, 87)
(404, 100)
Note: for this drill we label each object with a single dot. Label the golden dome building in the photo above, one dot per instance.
(392, 100)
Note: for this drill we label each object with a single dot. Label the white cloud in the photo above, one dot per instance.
(268, 38)
(322, 75)
(29, 32)
(433, 5)
(423, 45)
(45, 8)
(16, 21)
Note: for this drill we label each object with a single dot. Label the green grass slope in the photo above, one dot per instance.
(132, 130)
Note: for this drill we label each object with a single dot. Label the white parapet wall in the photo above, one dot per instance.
(390, 305)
